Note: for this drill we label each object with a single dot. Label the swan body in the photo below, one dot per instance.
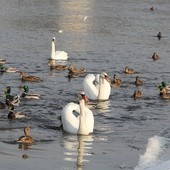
(83, 123)
(57, 55)
(99, 91)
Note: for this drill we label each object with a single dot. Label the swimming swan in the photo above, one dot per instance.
(57, 55)
(99, 91)
(82, 124)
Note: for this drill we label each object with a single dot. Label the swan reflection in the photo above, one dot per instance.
(104, 106)
(76, 148)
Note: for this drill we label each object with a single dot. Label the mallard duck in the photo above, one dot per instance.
(159, 35)
(53, 66)
(26, 138)
(11, 100)
(29, 96)
(164, 94)
(155, 56)
(115, 82)
(164, 86)
(73, 70)
(2, 105)
(26, 77)
(128, 70)
(151, 8)
(137, 94)
(15, 115)
(138, 81)
(2, 61)
(8, 70)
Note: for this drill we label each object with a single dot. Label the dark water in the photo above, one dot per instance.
(114, 34)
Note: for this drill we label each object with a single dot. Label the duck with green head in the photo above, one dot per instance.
(29, 96)
(9, 70)
(11, 100)
(165, 86)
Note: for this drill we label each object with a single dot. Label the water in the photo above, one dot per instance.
(98, 35)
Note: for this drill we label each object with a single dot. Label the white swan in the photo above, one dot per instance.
(97, 91)
(82, 124)
(57, 55)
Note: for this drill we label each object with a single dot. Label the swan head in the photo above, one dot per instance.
(83, 96)
(53, 39)
(104, 75)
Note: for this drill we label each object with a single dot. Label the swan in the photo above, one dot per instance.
(82, 124)
(99, 91)
(57, 55)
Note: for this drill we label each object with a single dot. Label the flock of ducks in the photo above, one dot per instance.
(95, 87)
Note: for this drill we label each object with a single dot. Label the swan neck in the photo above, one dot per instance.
(82, 120)
(52, 50)
(101, 89)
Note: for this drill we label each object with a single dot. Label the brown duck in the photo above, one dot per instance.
(26, 138)
(25, 77)
(53, 66)
(138, 81)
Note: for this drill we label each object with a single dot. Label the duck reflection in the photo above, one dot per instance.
(78, 145)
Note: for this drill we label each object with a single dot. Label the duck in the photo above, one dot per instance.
(137, 94)
(151, 8)
(164, 94)
(2, 105)
(128, 70)
(115, 82)
(29, 96)
(138, 81)
(15, 115)
(164, 86)
(8, 70)
(25, 77)
(57, 55)
(97, 87)
(73, 70)
(3, 61)
(159, 35)
(54, 66)
(11, 100)
(83, 123)
(155, 56)
(27, 139)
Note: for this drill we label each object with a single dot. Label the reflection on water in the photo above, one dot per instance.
(104, 106)
(76, 148)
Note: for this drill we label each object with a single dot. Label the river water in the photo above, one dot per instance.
(100, 36)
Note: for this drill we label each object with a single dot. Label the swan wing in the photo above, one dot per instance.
(69, 120)
(89, 88)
